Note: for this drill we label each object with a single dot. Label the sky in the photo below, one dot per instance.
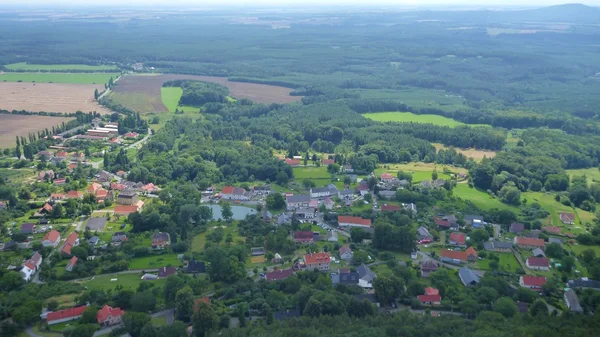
(304, 3)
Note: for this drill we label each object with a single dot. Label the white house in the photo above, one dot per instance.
(51, 239)
(320, 192)
(297, 201)
(234, 193)
(346, 253)
(31, 266)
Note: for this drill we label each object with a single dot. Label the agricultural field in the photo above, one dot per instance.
(420, 171)
(408, 117)
(58, 67)
(592, 174)
(17, 176)
(480, 198)
(128, 281)
(72, 78)
(143, 93)
(476, 154)
(50, 97)
(12, 125)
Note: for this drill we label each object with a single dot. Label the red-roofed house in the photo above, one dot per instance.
(71, 264)
(51, 239)
(131, 135)
(60, 181)
(529, 243)
(532, 282)
(125, 209)
(71, 167)
(567, 218)
(457, 239)
(390, 208)
(101, 194)
(537, 263)
(317, 261)
(386, 177)
(65, 315)
(234, 193)
(108, 316)
(453, 256)
(444, 224)
(150, 187)
(327, 162)
(352, 221)
(292, 162)
(304, 237)
(47, 208)
(431, 291)
(117, 186)
(71, 241)
(551, 229)
(93, 188)
(74, 195)
(57, 196)
(430, 299)
(280, 274)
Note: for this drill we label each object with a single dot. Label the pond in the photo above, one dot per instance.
(239, 212)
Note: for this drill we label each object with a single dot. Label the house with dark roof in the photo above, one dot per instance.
(584, 283)
(128, 197)
(366, 276)
(27, 228)
(160, 240)
(428, 267)
(346, 253)
(195, 267)
(320, 192)
(346, 277)
(516, 228)
(92, 241)
(388, 195)
(279, 274)
(468, 277)
(119, 237)
(523, 307)
(164, 272)
(423, 235)
(572, 301)
(297, 201)
(498, 246)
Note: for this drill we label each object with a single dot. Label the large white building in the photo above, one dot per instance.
(234, 193)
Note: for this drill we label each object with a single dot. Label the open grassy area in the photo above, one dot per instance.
(476, 154)
(592, 174)
(311, 172)
(17, 175)
(480, 198)
(408, 117)
(128, 281)
(199, 240)
(507, 262)
(159, 321)
(547, 201)
(57, 67)
(170, 97)
(75, 78)
(155, 261)
(420, 171)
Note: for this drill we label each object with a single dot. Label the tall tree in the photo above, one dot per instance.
(226, 211)
(96, 94)
(204, 320)
(184, 304)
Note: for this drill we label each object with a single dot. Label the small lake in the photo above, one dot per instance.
(239, 212)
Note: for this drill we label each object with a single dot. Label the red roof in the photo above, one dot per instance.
(30, 265)
(227, 190)
(459, 238)
(552, 229)
(66, 249)
(328, 161)
(530, 241)
(441, 222)
(277, 275)
(107, 311)
(66, 313)
(471, 251)
(386, 176)
(47, 207)
(72, 238)
(429, 298)
(304, 236)
(149, 187)
(345, 248)
(57, 195)
(73, 261)
(354, 220)
(533, 281)
(567, 217)
(538, 261)
(117, 186)
(390, 208)
(59, 181)
(93, 187)
(52, 236)
(131, 135)
(74, 194)
(431, 291)
(125, 209)
(316, 258)
(101, 193)
(453, 254)
(292, 162)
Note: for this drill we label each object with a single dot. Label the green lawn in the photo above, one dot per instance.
(480, 198)
(408, 117)
(311, 172)
(128, 281)
(578, 249)
(507, 262)
(17, 175)
(420, 171)
(592, 174)
(170, 97)
(57, 67)
(547, 201)
(75, 78)
(159, 321)
(154, 261)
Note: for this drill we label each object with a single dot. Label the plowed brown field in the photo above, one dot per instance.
(21, 125)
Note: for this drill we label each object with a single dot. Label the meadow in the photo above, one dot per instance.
(420, 171)
(507, 262)
(311, 172)
(128, 281)
(154, 261)
(170, 97)
(408, 117)
(73, 78)
(475, 154)
(480, 198)
(547, 201)
(592, 174)
(24, 66)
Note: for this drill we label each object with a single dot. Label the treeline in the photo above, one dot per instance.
(199, 93)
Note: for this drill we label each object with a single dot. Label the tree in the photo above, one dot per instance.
(405, 176)
(149, 330)
(134, 322)
(588, 255)
(143, 301)
(204, 320)
(307, 183)
(96, 94)
(80, 252)
(468, 306)
(554, 250)
(172, 285)
(434, 174)
(368, 198)
(11, 281)
(526, 295)
(52, 305)
(184, 303)
(224, 321)
(241, 309)
(333, 168)
(89, 316)
(506, 306)
(83, 330)
(388, 288)
(567, 264)
(226, 211)
(275, 201)
(538, 308)
(510, 194)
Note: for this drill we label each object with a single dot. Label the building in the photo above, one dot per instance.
(74, 195)
(457, 239)
(317, 261)
(31, 266)
(538, 252)
(572, 301)
(388, 195)
(57, 196)
(551, 229)
(347, 169)
(327, 162)
(195, 267)
(468, 277)
(567, 218)
(304, 237)
(119, 237)
(537, 263)
(51, 239)
(27, 228)
(366, 276)
(498, 246)
(125, 209)
(532, 282)
(65, 315)
(352, 221)
(305, 213)
(234, 193)
(320, 192)
(292, 162)
(516, 228)
(423, 235)
(127, 198)
(584, 283)
(131, 135)
(279, 274)
(93, 188)
(72, 263)
(71, 241)
(297, 201)
(93, 240)
(474, 220)
(346, 277)
(108, 316)
(529, 243)
(346, 194)
(428, 267)
(386, 177)
(345, 253)
(457, 257)
(332, 236)
(160, 240)
(390, 208)
(164, 272)
(328, 203)
(411, 207)
(46, 175)
(60, 181)
(430, 299)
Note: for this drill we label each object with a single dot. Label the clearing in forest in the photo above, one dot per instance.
(476, 154)
(170, 98)
(12, 125)
(408, 117)
(24, 66)
(420, 171)
(74, 78)
(481, 199)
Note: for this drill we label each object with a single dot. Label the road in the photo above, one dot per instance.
(80, 223)
(30, 332)
(140, 142)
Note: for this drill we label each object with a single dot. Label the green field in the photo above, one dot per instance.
(507, 262)
(592, 174)
(419, 171)
(154, 261)
(74, 78)
(57, 67)
(311, 172)
(480, 198)
(170, 97)
(547, 201)
(128, 281)
(408, 117)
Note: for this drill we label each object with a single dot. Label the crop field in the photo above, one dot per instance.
(57, 67)
(420, 171)
(408, 117)
(480, 198)
(21, 125)
(50, 97)
(476, 154)
(143, 92)
(73, 78)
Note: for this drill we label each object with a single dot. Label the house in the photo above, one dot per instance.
(160, 240)
(118, 187)
(428, 267)
(468, 277)
(537, 263)
(71, 241)
(104, 177)
(44, 175)
(346, 194)
(304, 237)
(347, 169)
(27, 228)
(567, 218)
(57, 196)
(65, 315)
(529, 243)
(320, 192)
(108, 316)
(297, 201)
(71, 167)
(366, 276)
(346, 253)
(119, 237)
(317, 261)
(93, 188)
(102, 194)
(474, 220)
(457, 239)
(31, 266)
(327, 162)
(388, 195)
(430, 299)
(267, 216)
(538, 252)
(131, 135)
(332, 236)
(516, 228)
(45, 154)
(584, 283)
(59, 181)
(195, 267)
(345, 276)
(121, 174)
(151, 188)
(51, 239)
(411, 207)
(328, 203)
(423, 235)
(551, 229)
(555, 240)
(71, 264)
(127, 198)
(257, 251)
(125, 209)
(74, 195)
(432, 291)
(572, 301)
(164, 272)
(445, 222)
(352, 221)
(279, 274)
(234, 193)
(532, 282)
(313, 203)
(498, 246)
(457, 257)
(305, 213)
(93, 240)
(390, 208)
(386, 177)
(292, 162)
